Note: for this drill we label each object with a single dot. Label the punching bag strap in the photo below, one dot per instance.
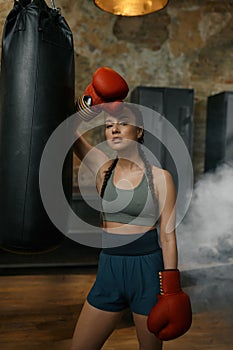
(53, 4)
(54, 8)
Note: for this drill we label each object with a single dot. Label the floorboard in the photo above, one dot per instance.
(40, 312)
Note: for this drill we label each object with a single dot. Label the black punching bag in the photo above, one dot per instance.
(37, 94)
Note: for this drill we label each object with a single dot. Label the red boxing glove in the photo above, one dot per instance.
(106, 86)
(171, 317)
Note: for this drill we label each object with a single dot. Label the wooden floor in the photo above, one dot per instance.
(39, 312)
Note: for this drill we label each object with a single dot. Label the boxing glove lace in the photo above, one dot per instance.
(106, 91)
(171, 317)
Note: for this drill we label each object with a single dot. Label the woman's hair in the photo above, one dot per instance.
(139, 123)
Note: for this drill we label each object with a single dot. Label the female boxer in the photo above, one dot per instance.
(137, 198)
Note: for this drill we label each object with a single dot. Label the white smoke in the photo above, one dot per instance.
(206, 234)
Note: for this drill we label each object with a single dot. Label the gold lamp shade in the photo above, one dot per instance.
(131, 7)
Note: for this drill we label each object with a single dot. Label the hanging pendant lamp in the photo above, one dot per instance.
(131, 7)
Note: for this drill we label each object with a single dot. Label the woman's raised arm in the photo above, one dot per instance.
(92, 157)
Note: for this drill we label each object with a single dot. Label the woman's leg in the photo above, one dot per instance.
(147, 340)
(93, 328)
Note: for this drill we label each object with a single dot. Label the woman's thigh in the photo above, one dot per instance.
(93, 328)
(147, 340)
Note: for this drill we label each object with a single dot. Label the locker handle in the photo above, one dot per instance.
(184, 118)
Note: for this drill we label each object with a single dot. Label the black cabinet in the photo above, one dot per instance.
(219, 130)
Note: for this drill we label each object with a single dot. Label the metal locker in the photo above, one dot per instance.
(219, 130)
(176, 105)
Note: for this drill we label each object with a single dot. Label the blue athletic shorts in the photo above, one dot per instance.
(127, 281)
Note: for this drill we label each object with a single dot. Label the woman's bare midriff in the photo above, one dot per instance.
(120, 228)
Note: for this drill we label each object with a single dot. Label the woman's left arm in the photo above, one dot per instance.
(171, 317)
(167, 200)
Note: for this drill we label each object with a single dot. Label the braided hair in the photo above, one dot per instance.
(148, 167)
(107, 175)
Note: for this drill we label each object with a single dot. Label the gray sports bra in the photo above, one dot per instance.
(135, 206)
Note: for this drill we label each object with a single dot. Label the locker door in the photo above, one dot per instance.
(219, 130)
(176, 105)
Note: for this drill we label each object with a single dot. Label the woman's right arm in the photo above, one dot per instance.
(106, 85)
(92, 157)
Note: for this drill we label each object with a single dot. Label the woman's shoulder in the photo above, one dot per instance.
(161, 176)
(156, 171)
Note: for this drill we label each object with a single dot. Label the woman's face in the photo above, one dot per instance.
(121, 130)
